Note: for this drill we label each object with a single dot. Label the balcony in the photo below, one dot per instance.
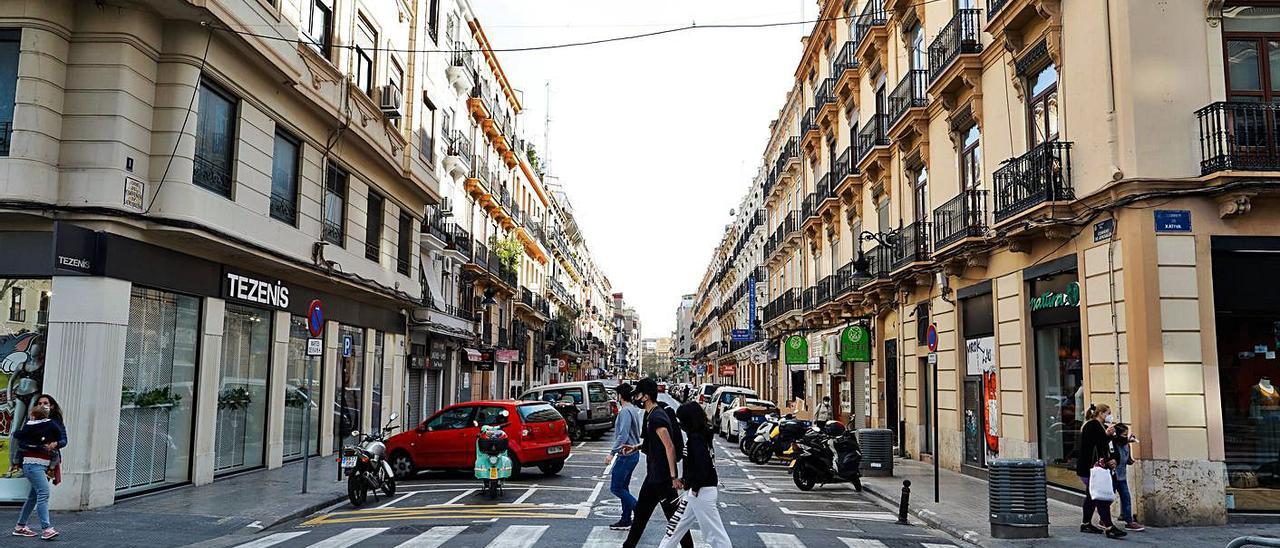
(810, 297)
(826, 192)
(1042, 175)
(824, 100)
(911, 93)
(809, 209)
(873, 143)
(844, 281)
(844, 67)
(478, 259)
(870, 32)
(461, 241)
(461, 71)
(823, 293)
(911, 245)
(458, 153)
(845, 172)
(478, 102)
(477, 182)
(964, 216)
(1239, 137)
(962, 35)
(809, 127)
(438, 226)
(878, 264)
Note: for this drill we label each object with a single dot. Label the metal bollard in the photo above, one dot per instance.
(906, 500)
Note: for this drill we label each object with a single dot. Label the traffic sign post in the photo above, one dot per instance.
(315, 347)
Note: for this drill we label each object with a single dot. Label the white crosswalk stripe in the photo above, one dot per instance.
(349, 537)
(519, 536)
(780, 540)
(603, 537)
(272, 540)
(434, 537)
(862, 543)
(933, 545)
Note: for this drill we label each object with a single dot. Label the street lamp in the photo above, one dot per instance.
(861, 265)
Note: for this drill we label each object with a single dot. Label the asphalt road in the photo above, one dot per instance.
(759, 505)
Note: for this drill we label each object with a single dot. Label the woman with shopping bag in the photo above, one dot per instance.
(701, 500)
(1094, 465)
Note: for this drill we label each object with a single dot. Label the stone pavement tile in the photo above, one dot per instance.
(962, 513)
(190, 514)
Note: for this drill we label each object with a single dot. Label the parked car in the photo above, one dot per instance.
(730, 426)
(704, 393)
(722, 397)
(595, 414)
(447, 440)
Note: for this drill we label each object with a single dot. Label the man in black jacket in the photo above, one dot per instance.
(661, 479)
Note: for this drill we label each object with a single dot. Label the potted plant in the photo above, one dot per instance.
(234, 398)
(157, 397)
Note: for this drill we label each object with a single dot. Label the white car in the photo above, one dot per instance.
(723, 396)
(729, 425)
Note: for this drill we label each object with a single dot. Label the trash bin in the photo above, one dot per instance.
(1018, 499)
(877, 451)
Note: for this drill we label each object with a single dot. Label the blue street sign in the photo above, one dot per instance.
(346, 346)
(1173, 220)
(741, 335)
(751, 302)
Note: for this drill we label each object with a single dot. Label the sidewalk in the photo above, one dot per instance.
(245, 503)
(962, 513)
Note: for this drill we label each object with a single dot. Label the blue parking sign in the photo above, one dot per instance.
(346, 346)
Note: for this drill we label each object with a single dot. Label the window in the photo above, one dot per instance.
(971, 160)
(366, 50)
(917, 55)
(317, 18)
(215, 139)
(537, 412)
(1251, 37)
(433, 20)
(882, 216)
(451, 29)
(284, 178)
(9, 48)
(453, 419)
(373, 227)
(921, 195)
(16, 313)
(1042, 106)
(491, 416)
(335, 205)
(395, 79)
(404, 249)
(427, 148)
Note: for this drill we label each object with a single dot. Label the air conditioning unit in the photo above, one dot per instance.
(390, 102)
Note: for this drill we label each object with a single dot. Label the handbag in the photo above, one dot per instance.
(1100, 486)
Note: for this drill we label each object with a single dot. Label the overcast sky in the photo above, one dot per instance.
(654, 139)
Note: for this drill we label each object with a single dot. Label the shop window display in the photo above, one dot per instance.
(22, 353)
(300, 398)
(242, 389)
(1055, 320)
(349, 400)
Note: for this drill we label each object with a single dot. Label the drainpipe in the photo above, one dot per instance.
(1115, 327)
(1113, 130)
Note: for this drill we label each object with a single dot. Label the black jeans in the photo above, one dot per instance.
(652, 495)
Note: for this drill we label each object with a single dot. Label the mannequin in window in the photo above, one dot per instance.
(1265, 407)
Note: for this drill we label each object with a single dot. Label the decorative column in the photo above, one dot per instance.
(276, 378)
(206, 404)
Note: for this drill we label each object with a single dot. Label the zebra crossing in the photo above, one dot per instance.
(530, 536)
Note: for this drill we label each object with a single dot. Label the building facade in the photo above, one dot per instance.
(176, 191)
(992, 192)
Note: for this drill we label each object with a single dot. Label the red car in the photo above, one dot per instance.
(447, 440)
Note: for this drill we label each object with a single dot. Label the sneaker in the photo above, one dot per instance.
(48, 534)
(621, 526)
(1134, 526)
(1115, 532)
(1089, 528)
(23, 531)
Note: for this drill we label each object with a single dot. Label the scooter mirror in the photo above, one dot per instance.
(355, 433)
(393, 416)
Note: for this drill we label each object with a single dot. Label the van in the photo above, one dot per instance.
(721, 399)
(595, 414)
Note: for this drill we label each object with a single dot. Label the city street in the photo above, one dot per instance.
(759, 504)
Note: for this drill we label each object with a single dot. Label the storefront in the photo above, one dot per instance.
(1247, 314)
(1054, 301)
(981, 390)
(211, 368)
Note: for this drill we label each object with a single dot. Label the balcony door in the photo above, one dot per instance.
(1251, 37)
(921, 194)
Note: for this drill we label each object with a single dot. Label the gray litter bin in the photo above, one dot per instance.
(877, 451)
(1018, 498)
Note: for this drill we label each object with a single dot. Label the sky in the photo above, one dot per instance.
(656, 139)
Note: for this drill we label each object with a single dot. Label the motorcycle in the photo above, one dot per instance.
(366, 466)
(779, 440)
(569, 411)
(492, 462)
(749, 424)
(828, 454)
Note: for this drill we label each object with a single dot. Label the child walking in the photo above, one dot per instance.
(1120, 441)
(39, 439)
(702, 501)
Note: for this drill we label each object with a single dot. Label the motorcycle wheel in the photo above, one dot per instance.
(388, 484)
(802, 478)
(857, 484)
(493, 489)
(357, 491)
(761, 454)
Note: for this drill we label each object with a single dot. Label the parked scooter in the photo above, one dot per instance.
(780, 440)
(492, 462)
(749, 424)
(366, 466)
(827, 454)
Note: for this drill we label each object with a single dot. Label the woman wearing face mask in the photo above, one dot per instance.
(1095, 445)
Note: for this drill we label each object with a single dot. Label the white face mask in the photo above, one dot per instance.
(1109, 418)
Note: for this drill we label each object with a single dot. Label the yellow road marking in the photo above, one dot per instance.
(446, 512)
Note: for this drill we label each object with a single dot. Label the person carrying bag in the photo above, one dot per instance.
(1094, 470)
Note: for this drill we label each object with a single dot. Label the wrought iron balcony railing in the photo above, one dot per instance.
(826, 93)
(844, 166)
(910, 93)
(823, 294)
(879, 260)
(809, 122)
(994, 7)
(871, 135)
(963, 34)
(961, 217)
(873, 15)
(460, 146)
(810, 297)
(911, 245)
(809, 208)
(1239, 136)
(845, 59)
(462, 240)
(1041, 175)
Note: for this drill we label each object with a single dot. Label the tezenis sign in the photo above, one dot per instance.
(251, 290)
(1069, 297)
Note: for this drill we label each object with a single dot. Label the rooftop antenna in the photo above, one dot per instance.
(546, 131)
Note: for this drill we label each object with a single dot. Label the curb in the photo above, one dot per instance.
(929, 517)
(304, 511)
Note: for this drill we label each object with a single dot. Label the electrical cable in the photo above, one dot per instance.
(195, 90)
